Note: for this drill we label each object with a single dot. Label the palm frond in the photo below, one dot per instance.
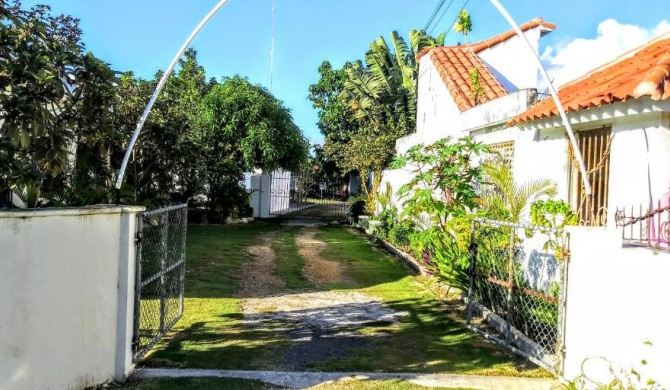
(508, 194)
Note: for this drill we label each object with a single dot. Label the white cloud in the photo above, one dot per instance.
(569, 61)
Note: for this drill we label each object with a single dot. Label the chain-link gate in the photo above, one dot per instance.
(160, 272)
(516, 295)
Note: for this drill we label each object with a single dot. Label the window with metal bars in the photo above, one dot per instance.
(594, 146)
(503, 151)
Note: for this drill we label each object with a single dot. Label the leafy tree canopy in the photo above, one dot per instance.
(245, 124)
(53, 95)
(367, 105)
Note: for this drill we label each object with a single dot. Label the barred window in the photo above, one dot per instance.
(505, 150)
(594, 146)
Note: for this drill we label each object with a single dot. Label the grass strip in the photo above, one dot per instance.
(288, 263)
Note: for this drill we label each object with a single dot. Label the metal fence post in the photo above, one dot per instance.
(473, 259)
(562, 318)
(138, 284)
(510, 281)
(164, 221)
(182, 273)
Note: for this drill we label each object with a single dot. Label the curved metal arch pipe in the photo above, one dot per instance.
(159, 87)
(554, 95)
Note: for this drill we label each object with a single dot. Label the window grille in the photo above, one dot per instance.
(595, 148)
(505, 150)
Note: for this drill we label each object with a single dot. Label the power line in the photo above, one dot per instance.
(435, 11)
(441, 16)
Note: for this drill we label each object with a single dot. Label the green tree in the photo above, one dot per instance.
(245, 128)
(336, 121)
(54, 95)
(168, 162)
(383, 89)
(441, 199)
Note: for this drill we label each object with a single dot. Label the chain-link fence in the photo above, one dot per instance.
(161, 256)
(516, 288)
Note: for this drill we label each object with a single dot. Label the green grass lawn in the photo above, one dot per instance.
(211, 333)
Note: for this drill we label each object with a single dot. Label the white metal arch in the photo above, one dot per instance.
(496, 4)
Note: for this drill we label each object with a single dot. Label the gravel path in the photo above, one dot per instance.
(257, 276)
(317, 269)
(320, 325)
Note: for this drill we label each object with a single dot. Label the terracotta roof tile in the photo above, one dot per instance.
(537, 22)
(454, 63)
(644, 71)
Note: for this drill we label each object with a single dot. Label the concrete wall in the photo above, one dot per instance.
(616, 300)
(66, 296)
(270, 194)
(260, 195)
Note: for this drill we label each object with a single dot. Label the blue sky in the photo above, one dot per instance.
(143, 35)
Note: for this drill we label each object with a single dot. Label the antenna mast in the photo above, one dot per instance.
(272, 44)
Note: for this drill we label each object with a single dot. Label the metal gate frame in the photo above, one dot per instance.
(301, 194)
(514, 320)
(159, 275)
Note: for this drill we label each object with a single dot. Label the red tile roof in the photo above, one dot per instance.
(454, 64)
(644, 71)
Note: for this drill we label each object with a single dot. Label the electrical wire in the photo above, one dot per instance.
(435, 11)
(441, 16)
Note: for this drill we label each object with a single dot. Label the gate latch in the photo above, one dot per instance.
(138, 238)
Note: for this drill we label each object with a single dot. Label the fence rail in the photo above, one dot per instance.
(516, 288)
(649, 228)
(160, 273)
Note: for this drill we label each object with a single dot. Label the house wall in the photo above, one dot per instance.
(512, 63)
(615, 302)
(66, 296)
(639, 161)
(538, 154)
(437, 114)
(639, 170)
(437, 117)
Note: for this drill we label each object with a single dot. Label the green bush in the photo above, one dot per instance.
(400, 234)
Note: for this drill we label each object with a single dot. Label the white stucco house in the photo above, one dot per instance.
(620, 114)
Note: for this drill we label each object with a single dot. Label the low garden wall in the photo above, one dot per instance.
(616, 304)
(66, 296)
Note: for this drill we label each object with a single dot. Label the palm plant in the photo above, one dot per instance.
(381, 94)
(385, 85)
(508, 198)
